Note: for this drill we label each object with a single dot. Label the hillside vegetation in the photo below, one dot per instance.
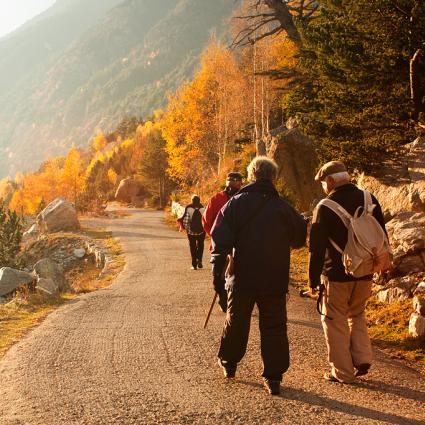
(111, 59)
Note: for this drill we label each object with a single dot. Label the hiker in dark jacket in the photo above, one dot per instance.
(344, 324)
(191, 220)
(258, 228)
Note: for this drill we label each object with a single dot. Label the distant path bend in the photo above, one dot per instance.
(136, 353)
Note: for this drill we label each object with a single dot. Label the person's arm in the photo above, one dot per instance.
(209, 216)
(298, 228)
(223, 240)
(318, 244)
(186, 219)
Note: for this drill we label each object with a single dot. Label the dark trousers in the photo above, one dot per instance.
(196, 243)
(273, 331)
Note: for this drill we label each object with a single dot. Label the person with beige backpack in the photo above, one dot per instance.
(348, 244)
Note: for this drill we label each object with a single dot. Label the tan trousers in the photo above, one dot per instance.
(346, 334)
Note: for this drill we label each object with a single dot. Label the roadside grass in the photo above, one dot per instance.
(27, 309)
(388, 327)
(388, 324)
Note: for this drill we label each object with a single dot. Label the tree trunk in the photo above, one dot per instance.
(416, 89)
(285, 19)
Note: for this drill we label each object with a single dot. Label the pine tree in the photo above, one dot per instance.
(356, 97)
(10, 236)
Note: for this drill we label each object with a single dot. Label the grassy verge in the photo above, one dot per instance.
(388, 324)
(27, 309)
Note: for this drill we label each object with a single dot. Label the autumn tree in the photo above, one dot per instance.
(99, 142)
(204, 117)
(72, 176)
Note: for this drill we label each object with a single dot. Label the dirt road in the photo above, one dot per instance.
(136, 353)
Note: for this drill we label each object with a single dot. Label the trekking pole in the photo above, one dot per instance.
(211, 309)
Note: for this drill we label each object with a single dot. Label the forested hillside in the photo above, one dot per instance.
(84, 66)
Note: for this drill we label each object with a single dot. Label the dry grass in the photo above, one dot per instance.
(388, 324)
(27, 309)
(388, 327)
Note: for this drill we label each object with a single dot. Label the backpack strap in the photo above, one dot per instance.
(341, 212)
(337, 209)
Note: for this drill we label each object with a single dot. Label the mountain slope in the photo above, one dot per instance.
(122, 63)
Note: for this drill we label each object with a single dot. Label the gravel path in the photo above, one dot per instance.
(136, 353)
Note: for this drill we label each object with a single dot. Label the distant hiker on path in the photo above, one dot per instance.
(345, 296)
(258, 228)
(215, 204)
(191, 220)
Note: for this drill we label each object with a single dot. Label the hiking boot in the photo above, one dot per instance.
(362, 369)
(272, 386)
(200, 266)
(328, 376)
(193, 268)
(229, 370)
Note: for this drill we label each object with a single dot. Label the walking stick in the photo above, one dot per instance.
(228, 269)
(211, 309)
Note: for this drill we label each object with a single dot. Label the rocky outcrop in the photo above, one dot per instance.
(50, 276)
(400, 187)
(295, 154)
(129, 191)
(59, 215)
(11, 280)
(407, 237)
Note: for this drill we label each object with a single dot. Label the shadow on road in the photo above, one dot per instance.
(347, 408)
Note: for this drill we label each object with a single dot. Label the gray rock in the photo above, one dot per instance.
(411, 264)
(416, 325)
(3, 300)
(392, 295)
(59, 215)
(79, 252)
(11, 279)
(420, 289)
(48, 269)
(419, 304)
(47, 286)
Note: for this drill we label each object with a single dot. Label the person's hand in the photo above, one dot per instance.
(218, 284)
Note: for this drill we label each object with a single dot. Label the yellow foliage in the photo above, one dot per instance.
(204, 116)
(112, 176)
(99, 142)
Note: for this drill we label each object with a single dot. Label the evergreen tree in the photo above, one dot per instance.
(153, 167)
(355, 97)
(10, 236)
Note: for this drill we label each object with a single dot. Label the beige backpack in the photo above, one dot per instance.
(368, 250)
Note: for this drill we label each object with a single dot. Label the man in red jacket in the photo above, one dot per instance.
(216, 203)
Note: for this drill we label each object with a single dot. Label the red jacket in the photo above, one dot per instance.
(216, 203)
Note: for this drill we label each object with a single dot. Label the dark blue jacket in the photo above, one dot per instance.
(261, 246)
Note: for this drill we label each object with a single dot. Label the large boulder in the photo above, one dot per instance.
(59, 215)
(50, 275)
(129, 190)
(417, 325)
(298, 162)
(400, 187)
(407, 237)
(11, 279)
